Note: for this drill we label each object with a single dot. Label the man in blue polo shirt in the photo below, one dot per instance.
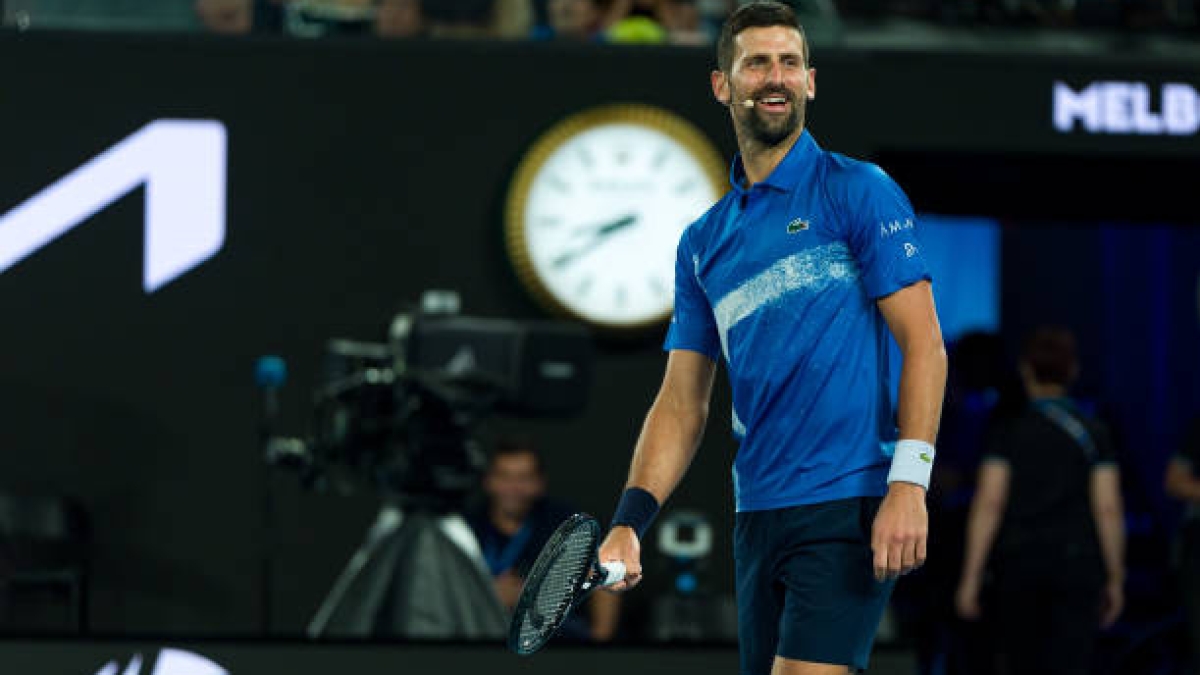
(795, 280)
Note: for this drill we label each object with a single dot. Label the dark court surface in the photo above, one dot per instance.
(113, 657)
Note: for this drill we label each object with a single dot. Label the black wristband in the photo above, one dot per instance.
(636, 509)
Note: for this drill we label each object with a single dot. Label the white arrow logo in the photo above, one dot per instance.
(181, 163)
(170, 662)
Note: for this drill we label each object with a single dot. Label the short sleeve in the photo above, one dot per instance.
(882, 232)
(692, 325)
(1106, 455)
(995, 445)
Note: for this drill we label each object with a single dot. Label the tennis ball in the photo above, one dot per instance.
(637, 30)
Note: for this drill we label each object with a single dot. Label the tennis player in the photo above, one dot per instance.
(794, 279)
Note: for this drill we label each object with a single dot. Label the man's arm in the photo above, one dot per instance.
(911, 316)
(670, 437)
(1179, 481)
(987, 511)
(901, 528)
(1109, 515)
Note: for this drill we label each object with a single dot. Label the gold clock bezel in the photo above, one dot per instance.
(663, 121)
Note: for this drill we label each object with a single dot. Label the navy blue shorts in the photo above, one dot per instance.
(806, 587)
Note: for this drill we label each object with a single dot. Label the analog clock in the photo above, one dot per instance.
(596, 209)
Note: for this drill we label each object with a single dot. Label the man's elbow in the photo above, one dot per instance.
(937, 351)
(931, 360)
(685, 413)
(699, 418)
(1110, 511)
(931, 350)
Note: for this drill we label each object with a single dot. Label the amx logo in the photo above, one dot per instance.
(182, 165)
(1127, 108)
(893, 226)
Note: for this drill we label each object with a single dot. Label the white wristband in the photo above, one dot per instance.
(912, 463)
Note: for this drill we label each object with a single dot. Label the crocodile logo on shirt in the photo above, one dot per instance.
(797, 225)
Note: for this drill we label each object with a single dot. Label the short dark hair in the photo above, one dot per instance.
(761, 14)
(1050, 353)
(517, 445)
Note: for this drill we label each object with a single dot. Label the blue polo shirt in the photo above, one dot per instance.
(780, 280)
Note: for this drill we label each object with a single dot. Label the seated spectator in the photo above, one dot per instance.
(226, 17)
(399, 19)
(512, 19)
(515, 523)
(466, 19)
(576, 20)
(683, 22)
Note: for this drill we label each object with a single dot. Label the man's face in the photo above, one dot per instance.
(513, 483)
(768, 67)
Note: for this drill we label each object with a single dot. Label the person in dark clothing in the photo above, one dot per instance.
(983, 391)
(1183, 483)
(515, 523)
(1047, 524)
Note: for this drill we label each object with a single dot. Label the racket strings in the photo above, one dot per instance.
(557, 590)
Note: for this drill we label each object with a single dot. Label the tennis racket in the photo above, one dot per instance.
(565, 572)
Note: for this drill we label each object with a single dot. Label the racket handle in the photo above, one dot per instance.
(614, 571)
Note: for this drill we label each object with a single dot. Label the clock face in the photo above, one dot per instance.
(596, 215)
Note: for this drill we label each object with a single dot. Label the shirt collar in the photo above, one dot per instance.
(796, 165)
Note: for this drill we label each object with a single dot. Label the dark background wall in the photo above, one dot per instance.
(361, 174)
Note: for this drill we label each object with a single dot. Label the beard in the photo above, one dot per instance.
(771, 130)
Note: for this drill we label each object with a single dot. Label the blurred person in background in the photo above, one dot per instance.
(1047, 523)
(399, 19)
(983, 391)
(683, 22)
(298, 18)
(471, 19)
(241, 17)
(1183, 483)
(575, 20)
(226, 17)
(514, 524)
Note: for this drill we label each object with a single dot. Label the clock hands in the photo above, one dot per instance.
(608, 228)
(597, 235)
